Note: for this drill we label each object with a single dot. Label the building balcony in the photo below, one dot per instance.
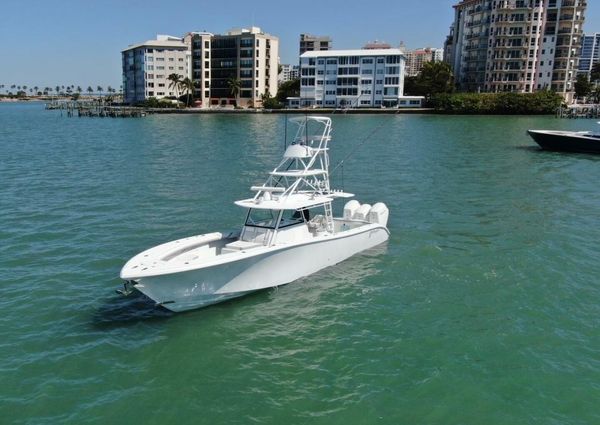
(521, 47)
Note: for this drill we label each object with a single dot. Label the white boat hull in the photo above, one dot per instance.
(280, 265)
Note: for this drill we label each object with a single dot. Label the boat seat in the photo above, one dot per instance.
(240, 245)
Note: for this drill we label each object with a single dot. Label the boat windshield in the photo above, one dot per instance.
(291, 217)
(262, 218)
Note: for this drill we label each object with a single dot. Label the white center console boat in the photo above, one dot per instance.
(289, 233)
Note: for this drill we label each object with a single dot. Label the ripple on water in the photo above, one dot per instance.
(483, 305)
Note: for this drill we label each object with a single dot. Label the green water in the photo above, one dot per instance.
(483, 308)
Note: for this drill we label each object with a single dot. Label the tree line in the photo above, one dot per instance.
(59, 90)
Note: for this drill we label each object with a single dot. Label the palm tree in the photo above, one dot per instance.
(79, 90)
(235, 84)
(36, 89)
(90, 90)
(175, 82)
(188, 86)
(99, 89)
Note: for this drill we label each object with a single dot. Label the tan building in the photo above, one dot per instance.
(248, 56)
(415, 59)
(310, 43)
(516, 45)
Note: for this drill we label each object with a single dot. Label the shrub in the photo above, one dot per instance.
(542, 102)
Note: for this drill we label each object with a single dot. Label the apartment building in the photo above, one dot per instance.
(351, 78)
(590, 53)
(288, 72)
(246, 56)
(309, 43)
(415, 59)
(147, 66)
(516, 45)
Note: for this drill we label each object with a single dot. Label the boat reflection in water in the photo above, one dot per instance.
(290, 232)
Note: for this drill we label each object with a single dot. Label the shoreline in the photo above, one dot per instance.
(290, 111)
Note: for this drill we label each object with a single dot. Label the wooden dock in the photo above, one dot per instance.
(96, 108)
(579, 111)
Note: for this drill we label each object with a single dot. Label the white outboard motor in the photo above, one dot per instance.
(350, 209)
(379, 214)
(362, 212)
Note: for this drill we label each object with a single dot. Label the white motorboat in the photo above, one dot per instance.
(289, 233)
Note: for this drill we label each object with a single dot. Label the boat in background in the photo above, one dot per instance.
(290, 232)
(567, 141)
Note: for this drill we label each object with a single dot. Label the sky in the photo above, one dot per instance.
(51, 42)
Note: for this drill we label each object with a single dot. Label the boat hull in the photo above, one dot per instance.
(283, 264)
(565, 141)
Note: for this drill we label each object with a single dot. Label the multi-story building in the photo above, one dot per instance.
(517, 45)
(448, 55)
(351, 78)
(415, 59)
(147, 66)
(246, 56)
(590, 53)
(288, 72)
(295, 72)
(236, 68)
(309, 43)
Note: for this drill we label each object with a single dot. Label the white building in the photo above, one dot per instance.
(288, 72)
(147, 66)
(351, 78)
(516, 45)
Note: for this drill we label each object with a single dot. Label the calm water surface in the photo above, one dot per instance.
(483, 308)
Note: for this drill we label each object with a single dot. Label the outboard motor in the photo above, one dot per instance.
(379, 214)
(362, 212)
(350, 209)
